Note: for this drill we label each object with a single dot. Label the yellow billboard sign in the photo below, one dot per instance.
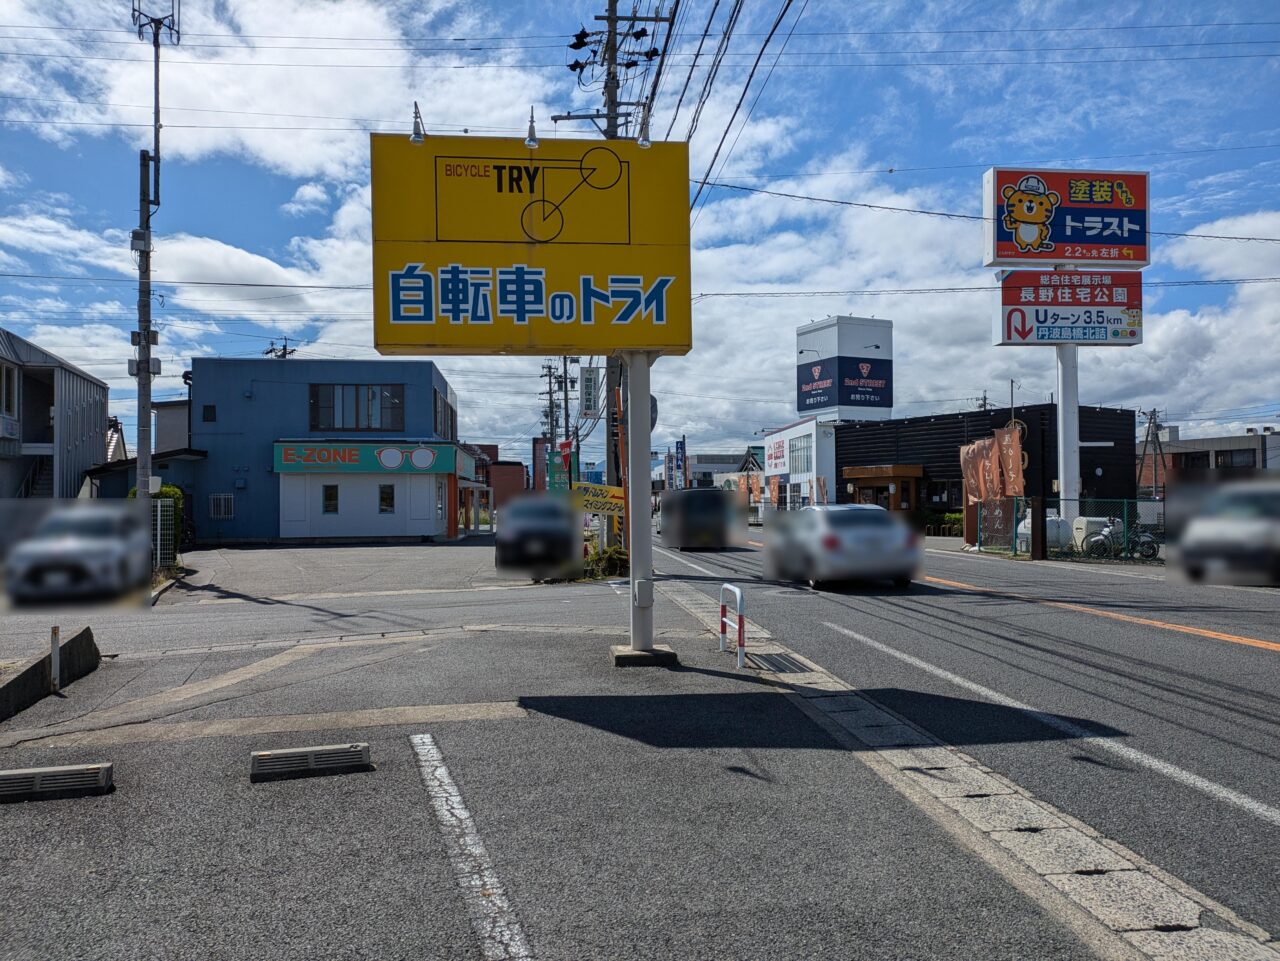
(482, 245)
(599, 498)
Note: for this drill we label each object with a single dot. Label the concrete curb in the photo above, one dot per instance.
(157, 592)
(33, 679)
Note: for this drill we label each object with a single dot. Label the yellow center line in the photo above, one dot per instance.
(1127, 618)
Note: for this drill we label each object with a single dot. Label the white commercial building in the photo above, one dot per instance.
(801, 459)
(844, 369)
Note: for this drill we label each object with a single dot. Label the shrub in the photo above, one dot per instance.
(611, 562)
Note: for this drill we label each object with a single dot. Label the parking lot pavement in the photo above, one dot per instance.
(269, 572)
(528, 800)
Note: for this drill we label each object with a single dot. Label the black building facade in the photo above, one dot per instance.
(933, 443)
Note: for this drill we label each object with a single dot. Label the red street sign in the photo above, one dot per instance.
(566, 453)
(1070, 307)
(1046, 217)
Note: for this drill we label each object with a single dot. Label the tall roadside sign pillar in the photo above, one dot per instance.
(1068, 425)
(639, 515)
(1084, 234)
(488, 245)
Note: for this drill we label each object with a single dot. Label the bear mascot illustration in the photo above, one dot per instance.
(1028, 212)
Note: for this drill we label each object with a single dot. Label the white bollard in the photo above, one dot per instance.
(55, 654)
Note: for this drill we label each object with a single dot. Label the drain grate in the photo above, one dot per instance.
(41, 783)
(777, 663)
(309, 761)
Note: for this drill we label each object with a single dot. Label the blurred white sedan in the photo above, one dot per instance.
(840, 543)
(80, 551)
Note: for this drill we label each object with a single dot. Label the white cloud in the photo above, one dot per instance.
(311, 198)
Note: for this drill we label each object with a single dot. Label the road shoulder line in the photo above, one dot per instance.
(1119, 904)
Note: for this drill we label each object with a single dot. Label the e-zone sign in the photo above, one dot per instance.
(844, 382)
(1069, 307)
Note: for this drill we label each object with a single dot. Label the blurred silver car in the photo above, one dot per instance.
(80, 551)
(1235, 534)
(840, 543)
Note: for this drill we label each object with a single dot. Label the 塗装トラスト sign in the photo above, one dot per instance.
(1070, 307)
(482, 246)
(1046, 217)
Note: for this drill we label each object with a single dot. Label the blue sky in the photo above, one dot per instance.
(267, 106)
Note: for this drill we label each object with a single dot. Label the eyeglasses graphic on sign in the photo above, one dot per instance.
(392, 457)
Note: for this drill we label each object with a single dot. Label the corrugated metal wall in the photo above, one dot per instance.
(80, 429)
(934, 442)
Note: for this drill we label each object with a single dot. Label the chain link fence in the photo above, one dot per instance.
(1091, 529)
(164, 543)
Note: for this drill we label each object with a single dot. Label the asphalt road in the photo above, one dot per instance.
(624, 814)
(1047, 635)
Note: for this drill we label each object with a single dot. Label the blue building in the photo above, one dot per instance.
(317, 449)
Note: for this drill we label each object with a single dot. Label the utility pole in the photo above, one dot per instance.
(549, 371)
(607, 57)
(564, 384)
(148, 201)
(280, 353)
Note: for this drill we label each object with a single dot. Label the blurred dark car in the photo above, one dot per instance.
(1234, 534)
(697, 518)
(80, 552)
(539, 535)
(841, 543)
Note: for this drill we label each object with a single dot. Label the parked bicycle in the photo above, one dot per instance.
(1113, 541)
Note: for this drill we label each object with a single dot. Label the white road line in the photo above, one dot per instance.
(696, 567)
(1213, 789)
(492, 918)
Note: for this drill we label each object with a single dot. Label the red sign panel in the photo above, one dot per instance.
(1070, 307)
(1046, 217)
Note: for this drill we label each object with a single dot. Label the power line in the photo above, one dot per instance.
(953, 216)
(984, 165)
(716, 59)
(884, 291)
(759, 93)
(1001, 29)
(421, 65)
(701, 296)
(693, 64)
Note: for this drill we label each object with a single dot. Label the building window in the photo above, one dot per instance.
(8, 390)
(386, 498)
(800, 454)
(357, 407)
(1193, 459)
(210, 414)
(1235, 458)
(222, 507)
(329, 498)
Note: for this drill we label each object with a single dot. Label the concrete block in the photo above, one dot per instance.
(1061, 851)
(956, 782)
(1128, 900)
(843, 702)
(1201, 944)
(1002, 812)
(32, 679)
(856, 721)
(660, 656)
(891, 735)
(922, 757)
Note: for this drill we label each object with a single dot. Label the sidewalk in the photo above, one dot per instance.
(622, 813)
